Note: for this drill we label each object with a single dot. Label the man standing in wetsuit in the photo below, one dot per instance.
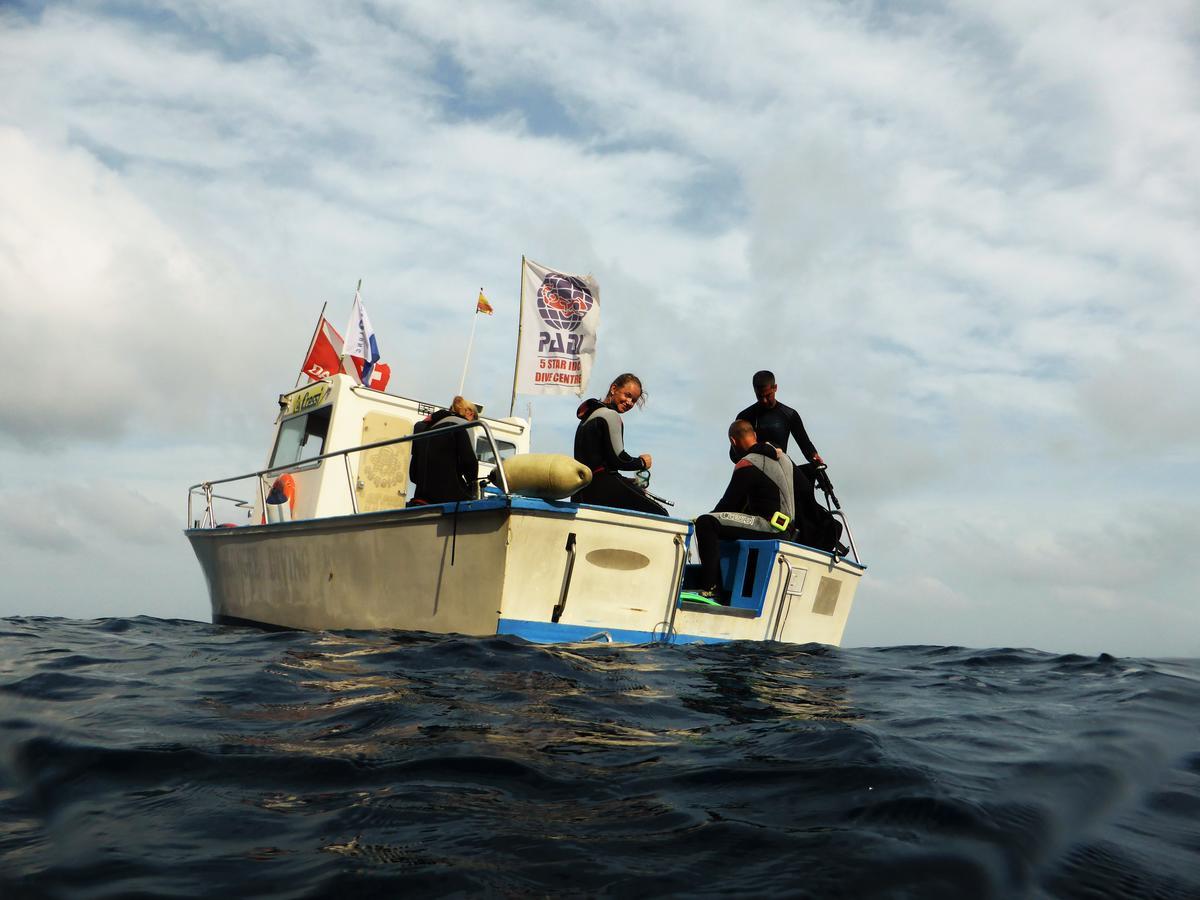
(775, 422)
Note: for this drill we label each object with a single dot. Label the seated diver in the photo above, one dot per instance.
(758, 504)
(445, 468)
(815, 526)
(600, 445)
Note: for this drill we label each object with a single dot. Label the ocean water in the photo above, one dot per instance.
(150, 758)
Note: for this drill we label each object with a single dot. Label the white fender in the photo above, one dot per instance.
(550, 476)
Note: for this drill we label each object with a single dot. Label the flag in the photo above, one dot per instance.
(560, 314)
(381, 373)
(360, 342)
(324, 358)
(482, 305)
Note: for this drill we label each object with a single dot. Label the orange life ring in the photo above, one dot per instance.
(287, 484)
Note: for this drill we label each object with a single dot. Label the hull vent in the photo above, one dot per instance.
(827, 596)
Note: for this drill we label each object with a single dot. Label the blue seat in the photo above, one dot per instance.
(746, 570)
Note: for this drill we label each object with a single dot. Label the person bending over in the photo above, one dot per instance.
(758, 504)
(445, 468)
(600, 445)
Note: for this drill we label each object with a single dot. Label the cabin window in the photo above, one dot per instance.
(484, 450)
(301, 437)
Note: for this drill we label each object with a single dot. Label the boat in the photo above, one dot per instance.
(343, 549)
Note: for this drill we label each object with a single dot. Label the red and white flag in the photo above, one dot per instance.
(381, 373)
(325, 357)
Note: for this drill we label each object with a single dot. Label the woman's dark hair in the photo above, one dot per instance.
(623, 379)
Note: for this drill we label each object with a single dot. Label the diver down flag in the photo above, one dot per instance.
(324, 357)
(560, 314)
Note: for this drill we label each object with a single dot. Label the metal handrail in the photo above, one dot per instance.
(849, 537)
(668, 635)
(785, 596)
(207, 486)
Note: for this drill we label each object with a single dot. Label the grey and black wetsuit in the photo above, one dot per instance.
(444, 469)
(600, 445)
(759, 487)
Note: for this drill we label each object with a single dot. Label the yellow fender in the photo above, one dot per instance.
(550, 476)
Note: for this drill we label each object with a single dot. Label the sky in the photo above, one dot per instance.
(965, 237)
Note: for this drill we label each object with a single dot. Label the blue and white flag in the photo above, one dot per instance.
(360, 341)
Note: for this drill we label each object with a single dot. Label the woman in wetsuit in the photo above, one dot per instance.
(444, 468)
(600, 445)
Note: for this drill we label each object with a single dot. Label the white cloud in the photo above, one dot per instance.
(117, 316)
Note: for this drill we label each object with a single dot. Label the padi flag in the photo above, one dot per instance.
(360, 342)
(324, 357)
(560, 314)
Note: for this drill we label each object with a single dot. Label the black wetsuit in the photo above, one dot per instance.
(750, 491)
(444, 469)
(775, 425)
(600, 445)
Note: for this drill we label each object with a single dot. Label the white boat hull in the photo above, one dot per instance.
(543, 570)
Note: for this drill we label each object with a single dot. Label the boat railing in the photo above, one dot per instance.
(846, 529)
(205, 488)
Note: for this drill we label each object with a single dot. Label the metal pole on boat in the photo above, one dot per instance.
(470, 341)
(311, 344)
(520, 322)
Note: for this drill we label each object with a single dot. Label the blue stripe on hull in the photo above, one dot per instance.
(558, 633)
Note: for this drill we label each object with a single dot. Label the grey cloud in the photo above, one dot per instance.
(71, 516)
(28, 521)
(1144, 400)
(1087, 579)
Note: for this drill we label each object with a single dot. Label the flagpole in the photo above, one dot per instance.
(520, 323)
(471, 340)
(312, 343)
(342, 355)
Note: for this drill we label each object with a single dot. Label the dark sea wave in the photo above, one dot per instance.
(141, 757)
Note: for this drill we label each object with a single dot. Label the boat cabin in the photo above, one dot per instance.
(338, 414)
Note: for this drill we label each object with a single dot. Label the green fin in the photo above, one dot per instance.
(694, 597)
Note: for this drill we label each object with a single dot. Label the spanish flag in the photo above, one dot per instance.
(482, 305)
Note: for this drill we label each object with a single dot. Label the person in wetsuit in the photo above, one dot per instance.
(761, 487)
(445, 468)
(776, 422)
(600, 445)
